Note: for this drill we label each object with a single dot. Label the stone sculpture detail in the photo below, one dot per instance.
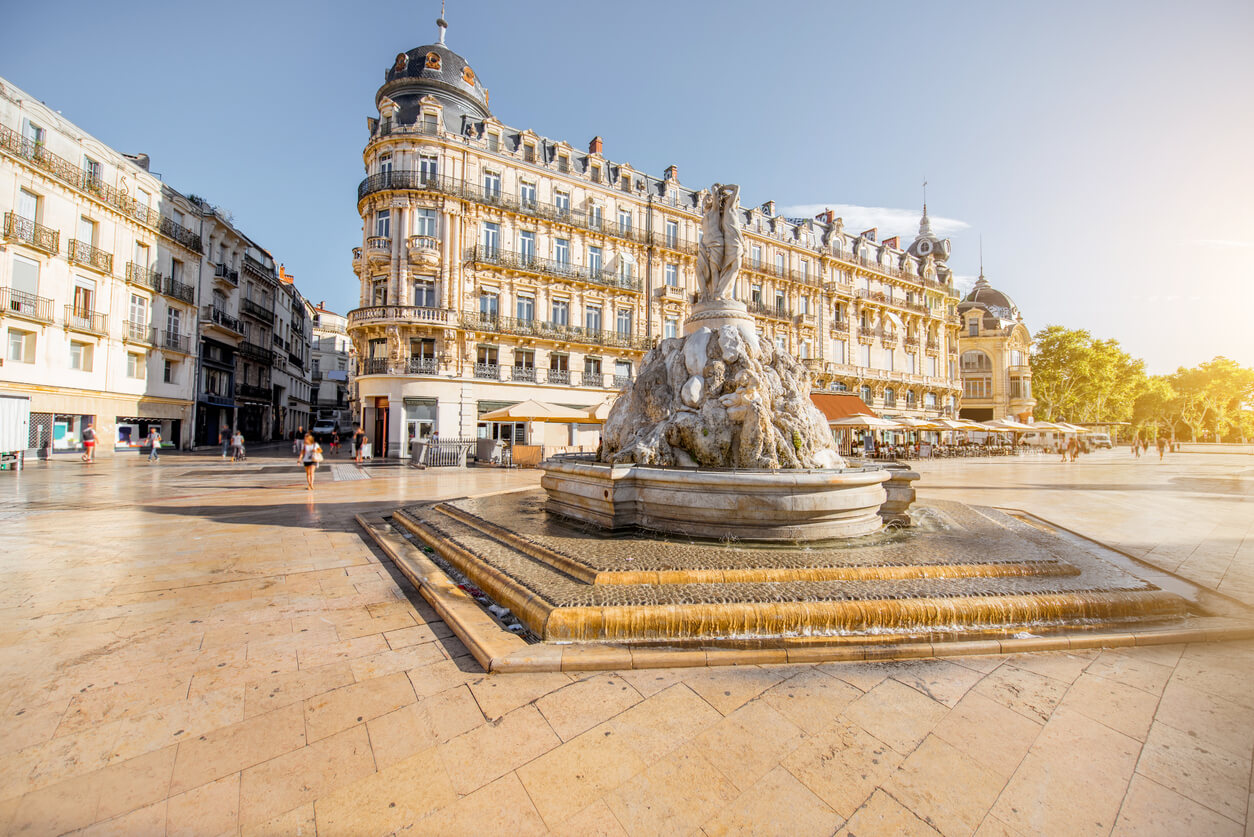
(716, 397)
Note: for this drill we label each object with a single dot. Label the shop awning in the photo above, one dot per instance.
(839, 405)
(532, 410)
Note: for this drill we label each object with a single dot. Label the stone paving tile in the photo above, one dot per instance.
(259, 603)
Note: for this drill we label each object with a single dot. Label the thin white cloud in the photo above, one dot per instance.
(1222, 242)
(889, 221)
(963, 284)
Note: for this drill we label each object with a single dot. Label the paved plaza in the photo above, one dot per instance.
(199, 648)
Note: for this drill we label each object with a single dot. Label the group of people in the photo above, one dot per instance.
(1140, 446)
(309, 452)
(234, 441)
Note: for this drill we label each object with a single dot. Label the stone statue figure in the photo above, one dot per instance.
(718, 257)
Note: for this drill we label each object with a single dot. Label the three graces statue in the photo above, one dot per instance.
(718, 256)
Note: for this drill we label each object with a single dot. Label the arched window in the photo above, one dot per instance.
(910, 398)
(890, 397)
(865, 392)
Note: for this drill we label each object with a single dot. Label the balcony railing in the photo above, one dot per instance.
(215, 315)
(671, 292)
(488, 371)
(405, 313)
(476, 321)
(424, 242)
(378, 244)
(82, 319)
(296, 360)
(38, 155)
(89, 256)
(177, 290)
(149, 278)
(670, 242)
(258, 268)
(840, 327)
(374, 366)
(253, 309)
(252, 351)
(226, 274)
(139, 332)
(175, 342)
(778, 312)
(28, 232)
(253, 392)
(525, 263)
(422, 366)
(19, 303)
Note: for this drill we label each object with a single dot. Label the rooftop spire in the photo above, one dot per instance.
(442, 23)
(925, 225)
(981, 282)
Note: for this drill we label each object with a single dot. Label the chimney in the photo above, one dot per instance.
(826, 216)
(870, 234)
(141, 160)
(768, 209)
(597, 146)
(671, 173)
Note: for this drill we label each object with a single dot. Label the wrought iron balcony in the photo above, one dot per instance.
(296, 360)
(422, 366)
(912, 343)
(133, 332)
(840, 327)
(253, 392)
(224, 273)
(374, 366)
(933, 345)
(403, 313)
(252, 351)
(524, 263)
(475, 321)
(253, 309)
(175, 342)
(212, 314)
(146, 277)
(86, 320)
(21, 304)
(84, 254)
(524, 373)
(559, 376)
(673, 242)
(27, 231)
(178, 290)
(761, 309)
(488, 371)
(258, 268)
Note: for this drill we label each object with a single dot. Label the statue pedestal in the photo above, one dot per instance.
(714, 314)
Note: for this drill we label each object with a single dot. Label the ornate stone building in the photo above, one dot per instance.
(498, 265)
(994, 345)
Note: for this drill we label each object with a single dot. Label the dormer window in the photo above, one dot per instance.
(494, 141)
(563, 162)
(596, 174)
(529, 152)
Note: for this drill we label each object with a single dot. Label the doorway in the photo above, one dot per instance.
(380, 427)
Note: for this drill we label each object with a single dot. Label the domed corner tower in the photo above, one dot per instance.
(406, 324)
(994, 344)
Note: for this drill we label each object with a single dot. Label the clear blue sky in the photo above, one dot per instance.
(1102, 150)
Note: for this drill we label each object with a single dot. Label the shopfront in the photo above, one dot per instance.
(132, 431)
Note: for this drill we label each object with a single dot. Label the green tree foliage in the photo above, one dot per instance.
(1077, 378)
(1214, 399)
(1156, 409)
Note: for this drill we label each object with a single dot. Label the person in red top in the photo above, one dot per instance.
(89, 443)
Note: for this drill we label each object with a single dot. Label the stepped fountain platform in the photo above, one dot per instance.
(965, 579)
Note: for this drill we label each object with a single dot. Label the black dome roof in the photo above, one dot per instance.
(434, 70)
(985, 296)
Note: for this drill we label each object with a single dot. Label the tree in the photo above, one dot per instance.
(1156, 409)
(1214, 398)
(1077, 378)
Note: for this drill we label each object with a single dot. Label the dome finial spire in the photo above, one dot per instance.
(442, 23)
(981, 282)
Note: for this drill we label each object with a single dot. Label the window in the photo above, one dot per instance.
(931, 366)
(428, 167)
(671, 327)
(489, 305)
(755, 294)
(779, 264)
(977, 387)
(425, 222)
(889, 357)
(559, 363)
(592, 368)
(176, 270)
(910, 362)
(805, 271)
(596, 173)
(526, 246)
(929, 400)
(806, 348)
(594, 260)
(781, 305)
(911, 399)
(91, 173)
(21, 346)
(890, 397)
(524, 359)
(592, 317)
(976, 361)
(491, 184)
(781, 343)
(622, 372)
(837, 386)
(424, 292)
(865, 359)
(973, 327)
(383, 223)
(597, 217)
(757, 255)
(486, 356)
(28, 205)
(672, 234)
(623, 322)
(143, 198)
(80, 356)
(526, 307)
(865, 394)
(491, 238)
(169, 374)
(142, 256)
(527, 193)
(563, 162)
(624, 220)
(136, 365)
(385, 167)
(529, 153)
(561, 250)
(803, 305)
(494, 141)
(33, 132)
(86, 231)
(138, 310)
(626, 267)
(672, 275)
(25, 284)
(422, 348)
(561, 312)
(84, 297)
(838, 351)
(562, 201)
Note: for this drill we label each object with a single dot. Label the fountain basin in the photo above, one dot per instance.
(758, 505)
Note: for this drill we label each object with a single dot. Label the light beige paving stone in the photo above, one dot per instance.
(230, 749)
(437, 677)
(413, 635)
(27, 727)
(989, 733)
(942, 681)
(1215, 721)
(569, 778)
(1204, 774)
(424, 724)
(503, 804)
(884, 815)
(865, 676)
(347, 706)
(597, 820)
(664, 722)
(1065, 666)
(1121, 707)
(649, 681)
(303, 775)
(1131, 669)
(392, 799)
(1220, 669)
(278, 690)
(298, 822)
(777, 804)
(490, 751)
(343, 650)
(993, 827)
(498, 696)
(727, 688)
(749, 742)
(1072, 781)
(1031, 695)
(811, 699)
(896, 714)
(208, 809)
(132, 784)
(1152, 809)
(940, 785)
(843, 765)
(575, 708)
(675, 795)
(147, 820)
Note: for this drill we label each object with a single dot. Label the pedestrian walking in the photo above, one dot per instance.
(154, 442)
(224, 439)
(335, 442)
(1162, 447)
(298, 438)
(237, 447)
(359, 438)
(310, 456)
(89, 443)
(1136, 448)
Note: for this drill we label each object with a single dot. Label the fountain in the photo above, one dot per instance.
(719, 520)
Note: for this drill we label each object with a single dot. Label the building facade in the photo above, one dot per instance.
(994, 345)
(293, 349)
(331, 364)
(98, 260)
(498, 265)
